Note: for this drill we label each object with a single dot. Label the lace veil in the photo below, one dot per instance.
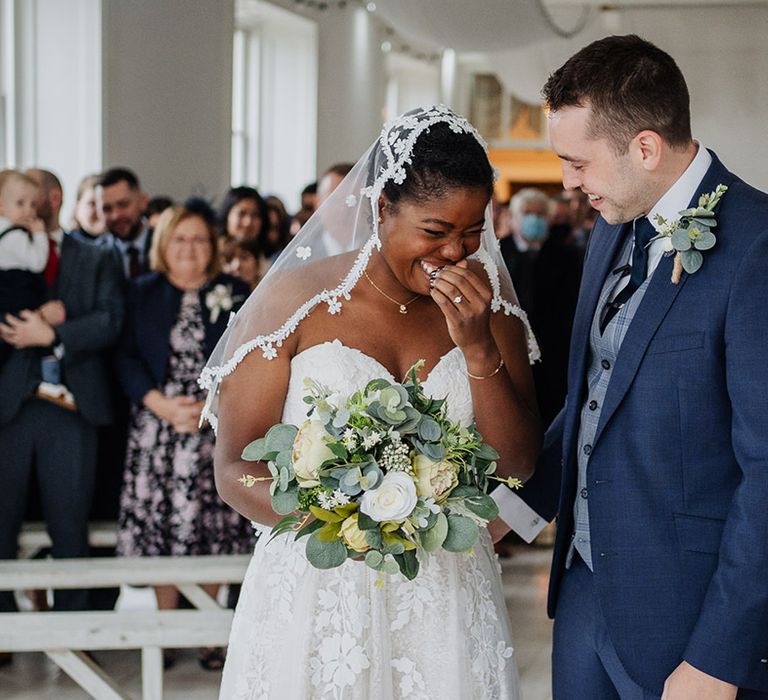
(323, 263)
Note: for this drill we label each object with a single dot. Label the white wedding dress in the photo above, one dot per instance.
(300, 633)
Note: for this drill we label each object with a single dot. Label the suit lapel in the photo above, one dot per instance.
(658, 299)
(604, 248)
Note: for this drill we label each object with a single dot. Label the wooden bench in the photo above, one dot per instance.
(34, 536)
(64, 636)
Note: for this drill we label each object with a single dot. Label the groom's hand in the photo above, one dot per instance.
(497, 529)
(688, 683)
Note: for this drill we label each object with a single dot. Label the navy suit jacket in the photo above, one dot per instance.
(151, 311)
(89, 284)
(678, 474)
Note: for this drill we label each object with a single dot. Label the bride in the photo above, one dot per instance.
(419, 276)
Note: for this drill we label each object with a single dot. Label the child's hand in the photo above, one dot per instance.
(54, 312)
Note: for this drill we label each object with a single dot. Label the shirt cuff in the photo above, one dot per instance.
(516, 513)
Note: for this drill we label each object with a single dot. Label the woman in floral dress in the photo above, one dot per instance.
(175, 316)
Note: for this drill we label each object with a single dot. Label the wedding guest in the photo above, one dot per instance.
(123, 202)
(278, 232)
(242, 259)
(23, 248)
(155, 207)
(56, 435)
(175, 316)
(243, 213)
(528, 223)
(88, 223)
(308, 206)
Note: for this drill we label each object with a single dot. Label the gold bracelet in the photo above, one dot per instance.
(495, 372)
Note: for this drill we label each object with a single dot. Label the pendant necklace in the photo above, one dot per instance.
(403, 307)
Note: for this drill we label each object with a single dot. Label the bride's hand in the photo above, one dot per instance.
(465, 301)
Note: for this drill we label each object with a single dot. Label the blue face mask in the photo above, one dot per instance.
(533, 227)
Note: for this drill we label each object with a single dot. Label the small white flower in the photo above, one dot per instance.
(303, 252)
(269, 353)
(350, 439)
(326, 502)
(340, 498)
(667, 244)
(334, 306)
(372, 440)
(351, 200)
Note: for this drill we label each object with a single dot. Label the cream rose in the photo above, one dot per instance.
(353, 536)
(310, 450)
(394, 498)
(434, 479)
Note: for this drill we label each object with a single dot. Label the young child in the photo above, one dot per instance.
(23, 248)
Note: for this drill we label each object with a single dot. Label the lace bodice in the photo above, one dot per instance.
(343, 369)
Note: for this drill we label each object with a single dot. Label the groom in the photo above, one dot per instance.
(657, 467)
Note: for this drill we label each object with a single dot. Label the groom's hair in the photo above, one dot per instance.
(631, 85)
(442, 160)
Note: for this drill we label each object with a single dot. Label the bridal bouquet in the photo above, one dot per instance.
(381, 475)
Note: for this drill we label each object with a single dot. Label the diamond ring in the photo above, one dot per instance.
(457, 300)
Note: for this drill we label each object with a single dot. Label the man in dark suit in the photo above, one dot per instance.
(56, 432)
(122, 201)
(657, 467)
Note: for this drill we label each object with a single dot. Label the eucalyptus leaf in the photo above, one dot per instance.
(374, 559)
(433, 451)
(681, 240)
(706, 241)
(390, 567)
(483, 506)
(432, 539)
(462, 534)
(325, 555)
(408, 563)
(283, 459)
(486, 452)
(429, 430)
(256, 451)
(281, 436)
(692, 260)
(372, 537)
(284, 502)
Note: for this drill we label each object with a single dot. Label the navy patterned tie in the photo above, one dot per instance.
(643, 233)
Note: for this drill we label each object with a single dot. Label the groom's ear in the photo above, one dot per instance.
(647, 148)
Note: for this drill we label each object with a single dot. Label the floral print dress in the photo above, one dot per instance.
(169, 504)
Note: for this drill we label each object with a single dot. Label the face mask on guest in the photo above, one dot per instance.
(533, 227)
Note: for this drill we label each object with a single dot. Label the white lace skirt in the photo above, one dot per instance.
(301, 634)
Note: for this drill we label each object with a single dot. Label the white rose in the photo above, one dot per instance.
(394, 499)
(310, 450)
(667, 244)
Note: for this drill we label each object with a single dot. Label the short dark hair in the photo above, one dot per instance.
(442, 160)
(238, 194)
(630, 84)
(157, 205)
(311, 188)
(115, 175)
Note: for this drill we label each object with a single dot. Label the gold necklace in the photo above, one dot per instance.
(403, 307)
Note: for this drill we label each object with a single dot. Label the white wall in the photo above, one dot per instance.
(275, 101)
(56, 88)
(167, 93)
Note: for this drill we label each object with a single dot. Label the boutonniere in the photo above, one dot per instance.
(219, 299)
(692, 233)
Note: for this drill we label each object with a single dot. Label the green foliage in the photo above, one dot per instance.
(325, 555)
(462, 534)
